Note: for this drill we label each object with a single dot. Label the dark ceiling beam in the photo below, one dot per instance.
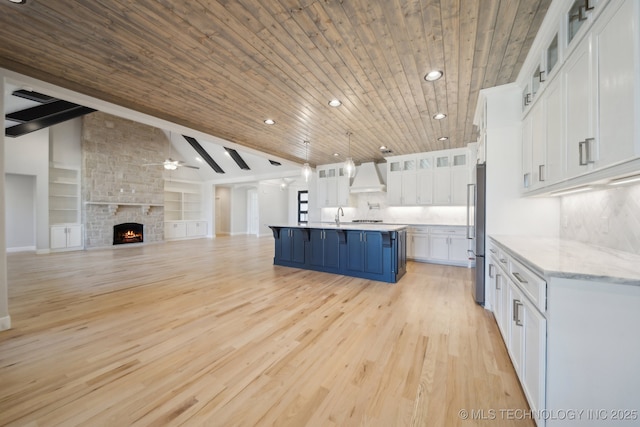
(44, 122)
(203, 153)
(41, 111)
(238, 159)
(33, 96)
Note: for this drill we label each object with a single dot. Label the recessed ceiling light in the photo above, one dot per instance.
(433, 75)
(335, 103)
(383, 147)
(198, 159)
(443, 138)
(439, 116)
(18, 1)
(269, 122)
(336, 154)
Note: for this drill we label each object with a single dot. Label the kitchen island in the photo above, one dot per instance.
(370, 251)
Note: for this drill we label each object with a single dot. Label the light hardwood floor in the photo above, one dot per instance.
(209, 332)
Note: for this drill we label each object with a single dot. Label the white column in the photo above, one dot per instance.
(5, 320)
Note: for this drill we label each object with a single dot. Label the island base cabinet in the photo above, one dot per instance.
(375, 255)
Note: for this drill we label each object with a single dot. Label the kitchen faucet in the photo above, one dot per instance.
(338, 216)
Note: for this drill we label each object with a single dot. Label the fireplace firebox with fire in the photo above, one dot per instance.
(129, 232)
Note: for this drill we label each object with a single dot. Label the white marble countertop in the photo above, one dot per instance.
(346, 226)
(571, 259)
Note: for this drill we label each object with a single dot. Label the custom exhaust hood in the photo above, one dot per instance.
(367, 180)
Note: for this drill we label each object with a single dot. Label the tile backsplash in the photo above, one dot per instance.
(609, 218)
(372, 206)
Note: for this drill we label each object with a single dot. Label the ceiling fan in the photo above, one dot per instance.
(171, 164)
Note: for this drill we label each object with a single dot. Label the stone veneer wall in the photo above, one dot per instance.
(113, 152)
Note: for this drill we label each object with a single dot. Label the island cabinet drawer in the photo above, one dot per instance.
(530, 283)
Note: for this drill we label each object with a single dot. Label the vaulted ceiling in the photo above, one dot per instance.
(223, 67)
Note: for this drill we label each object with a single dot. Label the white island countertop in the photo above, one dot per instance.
(571, 259)
(345, 226)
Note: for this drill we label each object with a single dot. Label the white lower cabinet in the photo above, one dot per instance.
(418, 243)
(521, 321)
(184, 229)
(438, 244)
(196, 228)
(66, 237)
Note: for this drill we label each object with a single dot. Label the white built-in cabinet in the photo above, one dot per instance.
(66, 237)
(581, 97)
(65, 230)
(333, 186)
(183, 212)
(433, 178)
(438, 244)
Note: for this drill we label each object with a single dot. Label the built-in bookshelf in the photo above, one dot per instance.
(182, 201)
(64, 196)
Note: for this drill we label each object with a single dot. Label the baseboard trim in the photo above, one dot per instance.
(43, 251)
(5, 323)
(22, 249)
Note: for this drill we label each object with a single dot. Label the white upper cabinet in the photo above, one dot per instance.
(433, 178)
(424, 181)
(333, 186)
(578, 80)
(616, 43)
(580, 122)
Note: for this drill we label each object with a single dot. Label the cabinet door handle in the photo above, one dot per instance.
(526, 180)
(581, 152)
(517, 319)
(519, 277)
(587, 5)
(514, 309)
(582, 13)
(491, 270)
(498, 281)
(541, 173)
(589, 144)
(541, 78)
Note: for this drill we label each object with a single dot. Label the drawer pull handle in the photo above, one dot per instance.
(519, 277)
(493, 251)
(503, 260)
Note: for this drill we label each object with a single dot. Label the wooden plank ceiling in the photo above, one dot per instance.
(223, 67)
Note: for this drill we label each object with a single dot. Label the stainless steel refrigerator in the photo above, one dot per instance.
(476, 221)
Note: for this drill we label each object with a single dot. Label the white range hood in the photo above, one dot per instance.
(367, 180)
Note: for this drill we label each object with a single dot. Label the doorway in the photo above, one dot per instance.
(253, 213)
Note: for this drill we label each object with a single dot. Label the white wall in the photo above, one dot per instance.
(273, 205)
(65, 143)
(20, 197)
(29, 155)
(5, 319)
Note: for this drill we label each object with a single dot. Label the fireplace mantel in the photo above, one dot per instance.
(114, 206)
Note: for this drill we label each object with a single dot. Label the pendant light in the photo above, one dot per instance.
(306, 169)
(349, 165)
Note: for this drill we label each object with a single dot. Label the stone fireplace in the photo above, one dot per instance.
(128, 232)
(116, 187)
